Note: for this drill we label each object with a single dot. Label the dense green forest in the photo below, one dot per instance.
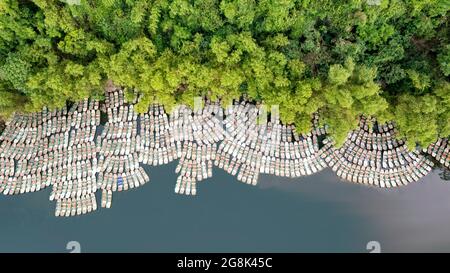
(384, 58)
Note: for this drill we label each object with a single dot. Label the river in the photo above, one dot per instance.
(318, 213)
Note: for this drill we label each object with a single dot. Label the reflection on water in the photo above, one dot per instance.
(309, 214)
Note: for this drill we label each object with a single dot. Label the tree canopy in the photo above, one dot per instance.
(387, 59)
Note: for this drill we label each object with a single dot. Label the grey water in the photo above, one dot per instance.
(318, 213)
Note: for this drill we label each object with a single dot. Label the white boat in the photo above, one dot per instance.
(109, 199)
(104, 198)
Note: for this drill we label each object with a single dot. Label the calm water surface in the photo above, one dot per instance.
(318, 213)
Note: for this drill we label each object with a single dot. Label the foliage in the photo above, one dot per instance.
(390, 61)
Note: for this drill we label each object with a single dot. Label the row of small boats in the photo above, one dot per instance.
(34, 155)
(186, 185)
(440, 150)
(23, 184)
(6, 167)
(382, 177)
(200, 126)
(195, 165)
(106, 199)
(122, 181)
(74, 181)
(199, 130)
(375, 136)
(375, 159)
(118, 164)
(391, 167)
(251, 147)
(76, 205)
(118, 149)
(121, 129)
(160, 156)
(118, 146)
(78, 187)
(190, 135)
(156, 147)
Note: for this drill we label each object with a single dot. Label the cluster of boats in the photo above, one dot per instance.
(76, 205)
(23, 149)
(251, 147)
(440, 150)
(202, 125)
(6, 167)
(188, 135)
(157, 146)
(68, 150)
(106, 199)
(195, 165)
(122, 181)
(118, 147)
(73, 172)
(372, 156)
(24, 137)
(199, 130)
(52, 148)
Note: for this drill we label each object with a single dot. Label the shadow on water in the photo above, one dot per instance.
(315, 213)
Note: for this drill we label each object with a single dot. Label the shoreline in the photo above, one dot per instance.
(76, 161)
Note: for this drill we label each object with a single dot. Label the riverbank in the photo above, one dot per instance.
(64, 149)
(2, 126)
